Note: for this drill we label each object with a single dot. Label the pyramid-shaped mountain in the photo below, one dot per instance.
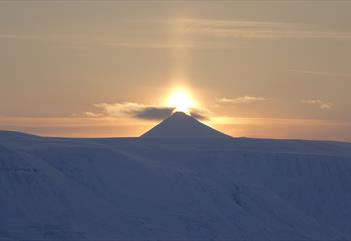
(181, 125)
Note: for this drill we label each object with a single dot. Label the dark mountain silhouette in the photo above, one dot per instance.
(181, 125)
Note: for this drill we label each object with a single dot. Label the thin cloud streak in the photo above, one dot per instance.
(179, 28)
(77, 41)
(227, 120)
(255, 29)
(322, 104)
(75, 126)
(165, 45)
(81, 126)
(320, 73)
(285, 128)
(19, 36)
(242, 99)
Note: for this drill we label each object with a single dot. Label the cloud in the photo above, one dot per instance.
(201, 114)
(242, 99)
(118, 109)
(153, 113)
(92, 114)
(140, 111)
(322, 73)
(255, 29)
(322, 104)
(191, 33)
(131, 109)
(167, 45)
(79, 41)
(22, 36)
(76, 126)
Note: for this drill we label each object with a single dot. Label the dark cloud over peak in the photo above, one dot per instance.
(198, 115)
(152, 113)
(140, 111)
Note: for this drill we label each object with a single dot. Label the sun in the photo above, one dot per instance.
(181, 100)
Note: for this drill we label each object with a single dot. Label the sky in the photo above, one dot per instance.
(265, 69)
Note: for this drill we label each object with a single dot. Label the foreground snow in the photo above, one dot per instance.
(173, 189)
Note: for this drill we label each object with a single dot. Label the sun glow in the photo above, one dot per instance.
(181, 100)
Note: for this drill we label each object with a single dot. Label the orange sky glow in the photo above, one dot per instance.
(115, 69)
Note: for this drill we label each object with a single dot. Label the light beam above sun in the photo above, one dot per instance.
(181, 100)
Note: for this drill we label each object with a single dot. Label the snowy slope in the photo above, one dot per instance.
(173, 189)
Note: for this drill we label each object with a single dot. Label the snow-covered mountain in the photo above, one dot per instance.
(173, 188)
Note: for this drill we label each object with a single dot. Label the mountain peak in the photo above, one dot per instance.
(179, 114)
(182, 125)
